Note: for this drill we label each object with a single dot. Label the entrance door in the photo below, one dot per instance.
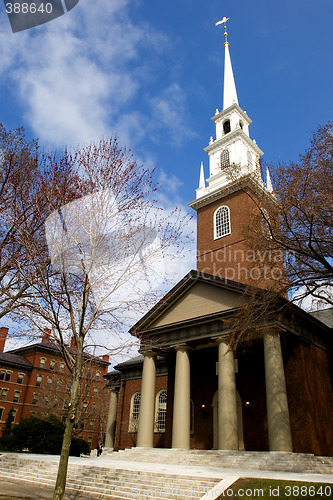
(239, 421)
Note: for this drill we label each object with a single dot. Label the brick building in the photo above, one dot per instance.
(188, 389)
(34, 380)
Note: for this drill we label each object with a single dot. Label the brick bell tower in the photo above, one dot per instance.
(227, 206)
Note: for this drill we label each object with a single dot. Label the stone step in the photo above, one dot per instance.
(278, 461)
(109, 483)
(93, 475)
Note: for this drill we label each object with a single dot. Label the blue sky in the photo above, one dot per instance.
(151, 72)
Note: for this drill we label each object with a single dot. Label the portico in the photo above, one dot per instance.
(208, 334)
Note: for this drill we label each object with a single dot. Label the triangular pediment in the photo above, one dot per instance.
(201, 299)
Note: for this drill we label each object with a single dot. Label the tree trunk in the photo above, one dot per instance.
(60, 485)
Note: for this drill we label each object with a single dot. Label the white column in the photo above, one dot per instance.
(279, 432)
(147, 404)
(181, 402)
(111, 422)
(227, 405)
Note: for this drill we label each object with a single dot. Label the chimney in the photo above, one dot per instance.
(73, 343)
(106, 357)
(3, 337)
(46, 335)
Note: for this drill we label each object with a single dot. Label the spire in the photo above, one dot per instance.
(202, 177)
(229, 90)
(269, 184)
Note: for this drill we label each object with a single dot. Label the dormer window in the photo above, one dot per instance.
(226, 127)
(222, 222)
(224, 159)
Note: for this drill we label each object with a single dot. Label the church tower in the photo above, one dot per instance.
(227, 206)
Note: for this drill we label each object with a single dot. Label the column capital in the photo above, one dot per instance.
(222, 337)
(148, 352)
(181, 347)
(272, 330)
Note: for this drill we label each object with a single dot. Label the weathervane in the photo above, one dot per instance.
(224, 20)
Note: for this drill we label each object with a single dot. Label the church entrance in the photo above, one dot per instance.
(239, 421)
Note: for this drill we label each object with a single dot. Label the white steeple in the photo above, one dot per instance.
(202, 177)
(229, 88)
(269, 185)
(233, 154)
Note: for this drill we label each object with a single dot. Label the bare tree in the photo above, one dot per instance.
(297, 222)
(31, 184)
(18, 176)
(101, 261)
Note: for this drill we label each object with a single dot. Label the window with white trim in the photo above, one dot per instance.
(222, 222)
(161, 408)
(224, 159)
(135, 410)
(42, 363)
(16, 397)
(4, 394)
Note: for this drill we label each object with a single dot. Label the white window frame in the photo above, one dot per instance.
(218, 236)
(134, 420)
(224, 159)
(158, 409)
(16, 397)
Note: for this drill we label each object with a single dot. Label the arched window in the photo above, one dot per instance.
(161, 408)
(241, 124)
(226, 127)
(224, 159)
(222, 222)
(135, 410)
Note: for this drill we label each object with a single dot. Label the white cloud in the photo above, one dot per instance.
(169, 112)
(79, 77)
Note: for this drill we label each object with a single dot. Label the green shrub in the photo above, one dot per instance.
(40, 435)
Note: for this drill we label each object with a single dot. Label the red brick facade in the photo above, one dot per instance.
(35, 380)
(235, 256)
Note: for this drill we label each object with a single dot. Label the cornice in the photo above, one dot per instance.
(229, 138)
(248, 181)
